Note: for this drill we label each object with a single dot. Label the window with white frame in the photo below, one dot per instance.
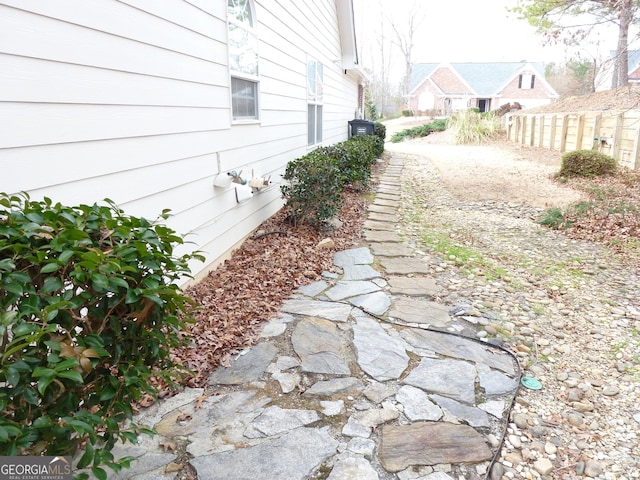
(243, 60)
(526, 81)
(314, 102)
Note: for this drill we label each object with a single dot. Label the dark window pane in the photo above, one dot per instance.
(244, 99)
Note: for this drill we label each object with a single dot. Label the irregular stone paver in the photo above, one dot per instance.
(496, 383)
(245, 368)
(320, 347)
(377, 391)
(473, 416)
(416, 285)
(421, 311)
(459, 347)
(386, 226)
(287, 381)
(388, 249)
(452, 378)
(354, 256)
(376, 302)
(293, 456)
(332, 407)
(389, 194)
(430, 443)
(337, 312)
(382, 236)
(403, 265)
(231, 413)
(353, 468)
(325, 388)
(380, 355)
(417, 405)
(383, 217)
(493, 407)
(382, 209)
(276, 420)
(273, 328)
(362, 446)
(314, 288)
(344, 290)
(360, 272)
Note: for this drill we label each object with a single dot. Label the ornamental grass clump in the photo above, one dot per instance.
(472, 127)
(89, 310)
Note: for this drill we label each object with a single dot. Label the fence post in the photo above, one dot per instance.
(532, 134)
(563, 133)
(540, 135)
(580, 131)
(552, 133)
(617, 136)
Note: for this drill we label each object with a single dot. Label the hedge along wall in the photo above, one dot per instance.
(614, 133)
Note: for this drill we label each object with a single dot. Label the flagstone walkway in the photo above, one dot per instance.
(361, 376)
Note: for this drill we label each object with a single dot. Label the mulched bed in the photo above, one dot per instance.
(235, 300)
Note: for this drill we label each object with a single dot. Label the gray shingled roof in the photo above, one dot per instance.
(419, 72)
(486, 79)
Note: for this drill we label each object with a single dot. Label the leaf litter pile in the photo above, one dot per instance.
(611, 215)
(235, 300)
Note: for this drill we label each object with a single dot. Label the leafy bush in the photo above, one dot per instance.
(586, 163)
(407, 113)
(315, 182)
(471, 126)
(438, 125)
(313, 191)
(380, 130)
(89, 310)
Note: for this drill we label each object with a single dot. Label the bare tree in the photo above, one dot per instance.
(573, 20)
(404, 29)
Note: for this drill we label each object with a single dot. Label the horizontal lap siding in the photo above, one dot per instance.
(129, 100)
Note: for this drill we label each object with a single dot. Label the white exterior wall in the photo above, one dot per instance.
(130, 100)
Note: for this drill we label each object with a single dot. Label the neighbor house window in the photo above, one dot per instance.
(526, 81)
(243, 60)
(314, 102)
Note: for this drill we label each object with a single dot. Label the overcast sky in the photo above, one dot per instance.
(465, 31)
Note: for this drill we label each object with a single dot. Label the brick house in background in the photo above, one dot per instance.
(448, 87)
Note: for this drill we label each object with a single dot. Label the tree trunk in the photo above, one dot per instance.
(621, 68)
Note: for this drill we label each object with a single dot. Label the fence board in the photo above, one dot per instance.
(615, 133)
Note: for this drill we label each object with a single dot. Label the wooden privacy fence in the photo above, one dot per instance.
(615, 133)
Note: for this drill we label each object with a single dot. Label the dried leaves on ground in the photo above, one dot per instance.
(611, 216)
(238, 297)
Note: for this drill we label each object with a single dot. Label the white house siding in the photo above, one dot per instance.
(130, 100)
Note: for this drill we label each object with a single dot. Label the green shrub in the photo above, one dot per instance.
(313, 189)
(375, 147)
(586, 163)
(437, 125)
(407, 113)
(471, 126)
(89, 310)
(315, 182)
(380, 130)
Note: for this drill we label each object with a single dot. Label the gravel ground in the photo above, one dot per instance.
(570, 309)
